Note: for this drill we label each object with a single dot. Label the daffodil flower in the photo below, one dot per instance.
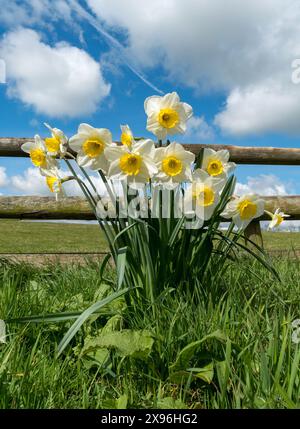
(202, 196)
(90, 144)
(127, 138)
(57, 144)
(174, 165)
(167, 115)
(216, 164)
(38, 153)
(54, 181)
(243, 210)
(277, 218)
(135, 164)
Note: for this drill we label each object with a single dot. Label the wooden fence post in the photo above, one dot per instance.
(253, 233)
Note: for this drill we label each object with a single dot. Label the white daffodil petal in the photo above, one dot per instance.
(272, 223)
(260, 208)
(86, 129)
(99, 163)
(76, 142)
(83, 160)
(113, 153)
(159, 154)
(151, 167)
(152, 104)
(144, 147)
(174, 148)
(170, 100)
(179, 129)
(104, 135)
(229, 167)
(238, 221)
(207, 153)
(208, 211)
(52, 171)
(126, 129)
(114, 171)
(188, 110)
(200, 175)
(217, 183)
(48, 126)
(222, 155)
(160, 132)
(28, 147)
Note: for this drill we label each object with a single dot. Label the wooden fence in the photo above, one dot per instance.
(78, 208)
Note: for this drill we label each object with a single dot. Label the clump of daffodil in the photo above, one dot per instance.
(242, 210)
(174, 165)
(152, 256)
(276, 218)
(56, 144)
(127, 138)
(90, 144)
(39, 153)
(135, 164)
(167, 115)
(216, 164)
(202, 196)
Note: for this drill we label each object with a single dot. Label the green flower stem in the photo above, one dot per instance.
(104, 226)
(90, 181)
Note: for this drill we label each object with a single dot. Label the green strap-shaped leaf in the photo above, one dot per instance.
(85, 315)
(121, 265)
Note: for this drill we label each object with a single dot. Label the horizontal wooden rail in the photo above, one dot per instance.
(78, 208)
(11, 147)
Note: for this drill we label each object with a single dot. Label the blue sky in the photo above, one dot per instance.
(96, 61)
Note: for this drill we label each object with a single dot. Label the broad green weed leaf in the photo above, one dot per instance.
(186, 354)
(137, 344)
(206, 373)
(170, 403)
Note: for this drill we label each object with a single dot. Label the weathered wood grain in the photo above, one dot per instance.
(254, 155)
(45, 208)
(11, 147)
(78, 208)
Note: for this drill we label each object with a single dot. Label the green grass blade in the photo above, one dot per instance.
(84, 316)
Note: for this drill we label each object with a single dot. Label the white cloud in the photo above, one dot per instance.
(29, 12)
(3, 177)
(72, 188)
(264, 184)
(198, 130)
(57, 81)
(259, 108)
(30, 182)
(243, 52)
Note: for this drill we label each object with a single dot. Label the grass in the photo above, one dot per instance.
(281, 240)
(251, 362)
(22, 237)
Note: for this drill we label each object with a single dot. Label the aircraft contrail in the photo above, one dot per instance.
(112, 41)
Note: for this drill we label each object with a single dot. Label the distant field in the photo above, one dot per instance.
(281, 240)
(33, 237)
